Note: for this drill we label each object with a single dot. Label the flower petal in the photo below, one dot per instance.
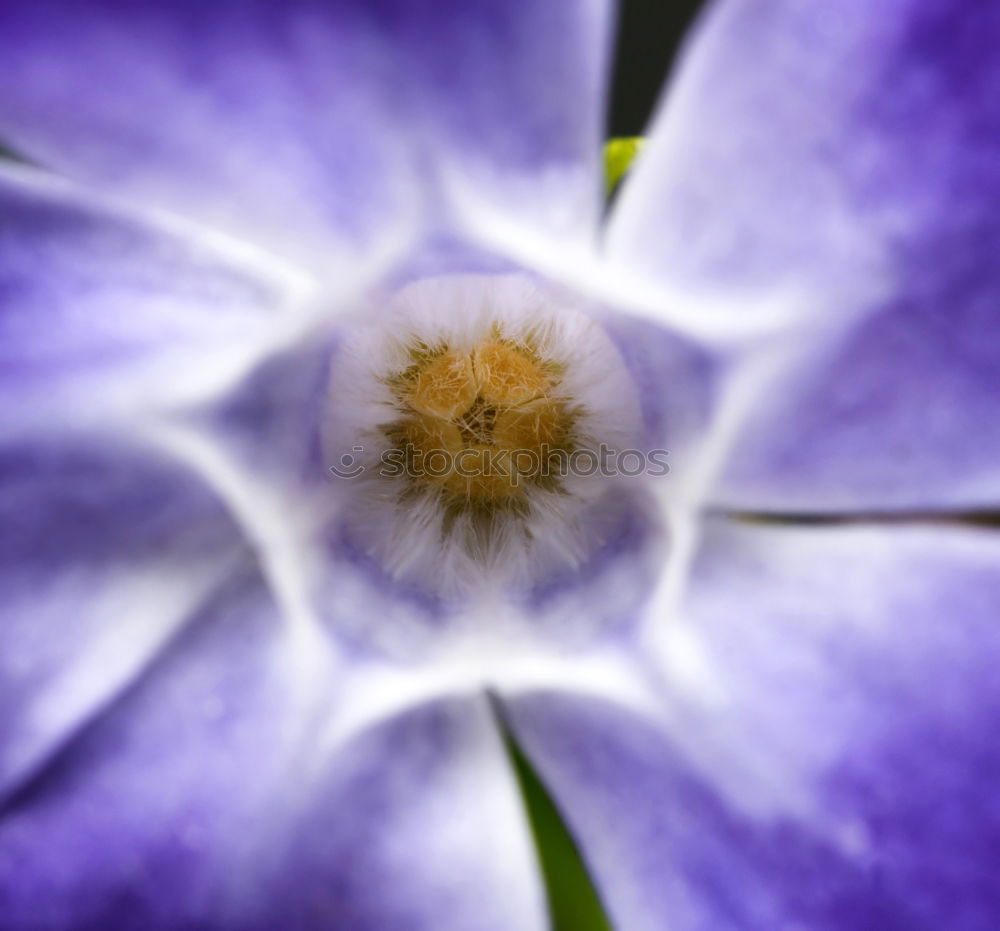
(211, 797)
(844, 167)
(101, 314)
(824, 756)
(315, 128)
(132, 822)
(107, 553)
(413, 824)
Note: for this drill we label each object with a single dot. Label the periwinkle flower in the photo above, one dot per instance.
(263, 241)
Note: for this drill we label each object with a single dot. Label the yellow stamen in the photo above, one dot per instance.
(481, 425)
(445, 387)
(531, 426)
(507, 376)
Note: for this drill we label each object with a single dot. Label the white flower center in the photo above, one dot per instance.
(466, 403)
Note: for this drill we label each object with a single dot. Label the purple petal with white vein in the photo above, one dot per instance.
(101, 314)
(107, 553)
(145, 817)
(842, 167)
(416, 822)
(318, 129)
(824, 756)
(213, 796)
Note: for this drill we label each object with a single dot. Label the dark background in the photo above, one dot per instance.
(649, 33)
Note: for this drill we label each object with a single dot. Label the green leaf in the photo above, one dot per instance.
(618, 157)
(574, 904)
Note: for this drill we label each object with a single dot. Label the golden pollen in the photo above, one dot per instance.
(480, 426)
(531, 425)
(429, 443)
(507, 375)
(445, 386)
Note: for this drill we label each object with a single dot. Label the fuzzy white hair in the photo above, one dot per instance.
(405, 530)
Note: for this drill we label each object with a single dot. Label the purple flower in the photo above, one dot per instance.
(239, 692)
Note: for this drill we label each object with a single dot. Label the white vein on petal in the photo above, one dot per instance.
(670, 646)
(684, 499)
(708, 317)
(279, 529)
(303, 304)
(248, 257)
(478, 663)
(114, 657)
